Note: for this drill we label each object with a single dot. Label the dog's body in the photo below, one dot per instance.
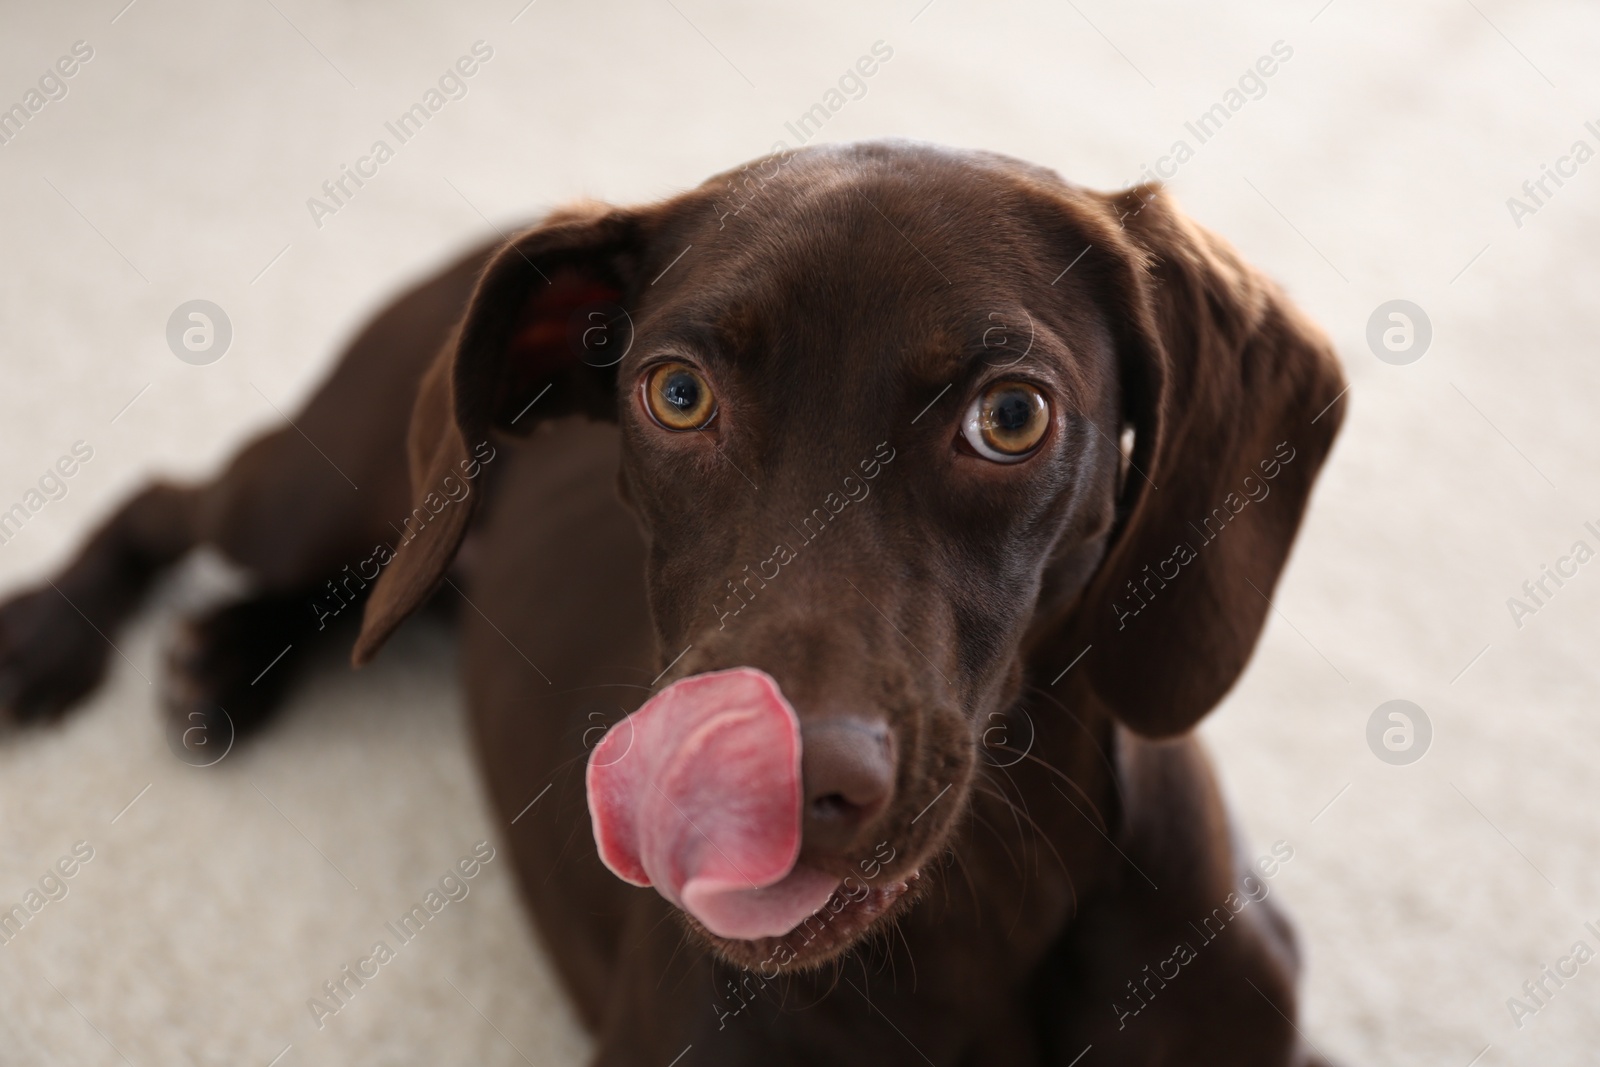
(1073, 882)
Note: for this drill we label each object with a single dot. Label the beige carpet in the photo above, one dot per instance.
(1374, 163)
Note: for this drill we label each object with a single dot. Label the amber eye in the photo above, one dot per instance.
(1007, 421)
(678, 398)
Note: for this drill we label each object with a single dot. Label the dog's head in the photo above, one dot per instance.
(900, 426)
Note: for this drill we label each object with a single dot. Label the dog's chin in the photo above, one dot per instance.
(844, 921)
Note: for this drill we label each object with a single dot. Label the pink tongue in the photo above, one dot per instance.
(698, 794)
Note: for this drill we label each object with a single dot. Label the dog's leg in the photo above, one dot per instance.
(270, 516)
(54, 640)
(286, 519)
(284, 514)
(232, 663)
(1186, 961)
(295, 510)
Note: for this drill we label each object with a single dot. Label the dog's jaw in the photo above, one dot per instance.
(847, 919)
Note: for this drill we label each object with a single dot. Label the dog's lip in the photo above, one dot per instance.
(835, 926)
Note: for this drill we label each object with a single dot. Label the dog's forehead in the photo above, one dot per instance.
(888, 262)
(915, 219)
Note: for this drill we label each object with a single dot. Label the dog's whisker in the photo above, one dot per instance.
(1105, 827)
(562, 854)
(1000, 791)
(883, 946)
(977, 905)
(683, 939)
(1005, 799)
(1021, 801)
(911, 958)
(1015, 866)
(1022, 816)
(836, 967)
(1061, 862)
(1094, 743)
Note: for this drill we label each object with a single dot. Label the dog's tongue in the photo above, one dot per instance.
(698, 793)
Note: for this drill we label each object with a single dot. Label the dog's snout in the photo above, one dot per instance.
(848, 769)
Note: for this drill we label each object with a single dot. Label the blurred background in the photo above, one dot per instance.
(1383, 159)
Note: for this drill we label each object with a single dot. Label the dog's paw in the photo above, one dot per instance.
(50, 656)
(226, 669)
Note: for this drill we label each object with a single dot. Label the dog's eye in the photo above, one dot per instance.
(1007, 421)
(678, 398)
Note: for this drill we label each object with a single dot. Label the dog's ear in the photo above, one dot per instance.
(1234, 399)
(540, 338)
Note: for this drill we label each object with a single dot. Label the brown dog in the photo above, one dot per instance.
(921, 643)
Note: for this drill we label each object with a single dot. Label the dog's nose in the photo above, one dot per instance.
(847, 765)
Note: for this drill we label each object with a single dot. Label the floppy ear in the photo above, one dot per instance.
(1234, 398)
(540, 339)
